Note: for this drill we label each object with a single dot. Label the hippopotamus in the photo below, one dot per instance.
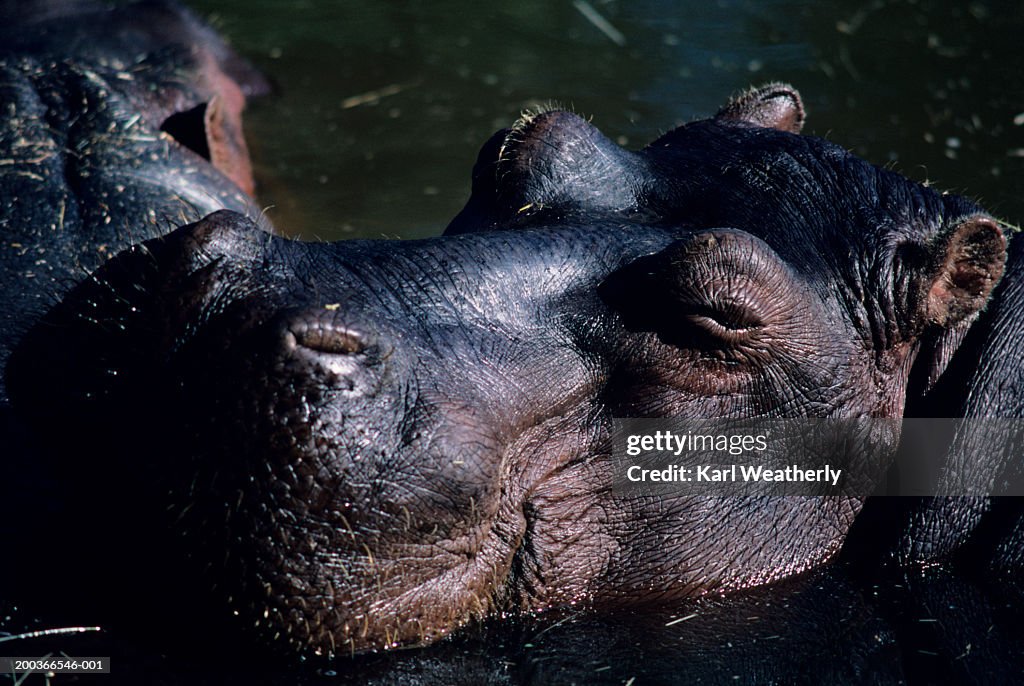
(368, 443)
(116, 125)
(981, 381)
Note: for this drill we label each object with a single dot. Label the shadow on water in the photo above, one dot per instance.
(383, 105)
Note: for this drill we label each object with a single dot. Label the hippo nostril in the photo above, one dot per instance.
(332, 353)
(327, 338)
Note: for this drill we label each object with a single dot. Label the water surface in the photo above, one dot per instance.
(383, 105)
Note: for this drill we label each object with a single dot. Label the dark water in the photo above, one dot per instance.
(829, 627)
(383, 105)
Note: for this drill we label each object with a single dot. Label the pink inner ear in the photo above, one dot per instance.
(781, 113)
(940, 299)
(775, 106)
(973, 263)
(223, 127)
(224, 139)
(213, 130)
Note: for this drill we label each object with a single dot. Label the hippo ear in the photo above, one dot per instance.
(966, 264)
(551, 160)
(775, 106)
(224, 139)
(213, 130)
(958, 277)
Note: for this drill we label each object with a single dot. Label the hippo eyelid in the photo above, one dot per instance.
(731, 324)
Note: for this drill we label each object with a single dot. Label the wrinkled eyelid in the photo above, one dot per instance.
(727, 325)
(741, 315)
(729, 313)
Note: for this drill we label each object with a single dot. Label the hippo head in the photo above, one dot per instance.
(370, 442)
(156, 68)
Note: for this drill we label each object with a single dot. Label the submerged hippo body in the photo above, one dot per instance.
(368, 443)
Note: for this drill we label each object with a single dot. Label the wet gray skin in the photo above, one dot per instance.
(108, 138)
(369, 443)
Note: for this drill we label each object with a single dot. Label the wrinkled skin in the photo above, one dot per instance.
(368, 443)
(984, 379)
(537, 169)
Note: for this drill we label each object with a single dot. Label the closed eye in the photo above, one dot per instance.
(731, 322)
